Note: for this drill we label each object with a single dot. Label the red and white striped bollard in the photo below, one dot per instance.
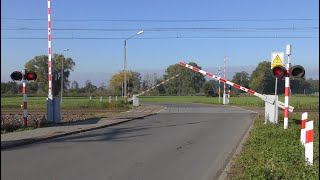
(304, 119)
(309, 143)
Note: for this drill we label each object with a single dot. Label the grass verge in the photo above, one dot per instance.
(271, 152)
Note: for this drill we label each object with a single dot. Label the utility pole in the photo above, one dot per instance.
(219, 85)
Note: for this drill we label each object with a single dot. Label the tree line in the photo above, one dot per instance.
(188, 83)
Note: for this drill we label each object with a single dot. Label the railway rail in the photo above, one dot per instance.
(63, 111)
(97, 111)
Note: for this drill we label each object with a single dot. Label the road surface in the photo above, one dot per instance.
(183, 141)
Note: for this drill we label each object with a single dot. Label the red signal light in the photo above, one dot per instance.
(30, 76)
(278, 71)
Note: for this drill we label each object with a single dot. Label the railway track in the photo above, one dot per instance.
(63, 111)
(97, 111)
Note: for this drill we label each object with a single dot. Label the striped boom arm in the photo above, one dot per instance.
(218, 78)
(130, 99)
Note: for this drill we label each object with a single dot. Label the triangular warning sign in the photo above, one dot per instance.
(277, 59)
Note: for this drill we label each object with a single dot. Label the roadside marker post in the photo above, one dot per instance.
(304, 119)
(109, 99)
(309, 143)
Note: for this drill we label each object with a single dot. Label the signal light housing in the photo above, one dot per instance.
(278, 71)
(297, 71)
(16, 76)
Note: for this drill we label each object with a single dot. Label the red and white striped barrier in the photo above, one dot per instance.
(262, 96)
(49, 53)
(304, 119)
(130, 99)
(159, 84)
(309, 143)
(24, 93)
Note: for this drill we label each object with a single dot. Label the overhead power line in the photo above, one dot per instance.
(169, 29)
(170, 37)
(163, 20)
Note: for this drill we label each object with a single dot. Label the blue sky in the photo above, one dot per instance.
(240, 30)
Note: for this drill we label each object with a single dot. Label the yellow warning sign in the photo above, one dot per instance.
(277, 59)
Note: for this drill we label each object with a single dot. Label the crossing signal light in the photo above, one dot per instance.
(30, 76)
(278, 71)
(16, 76)
(297, 71)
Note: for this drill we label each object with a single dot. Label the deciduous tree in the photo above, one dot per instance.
(39, 64)
(189, 82)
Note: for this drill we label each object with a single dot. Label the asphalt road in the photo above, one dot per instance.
(184, 141)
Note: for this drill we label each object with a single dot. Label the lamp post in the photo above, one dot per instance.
(62, 74)
(125, 63)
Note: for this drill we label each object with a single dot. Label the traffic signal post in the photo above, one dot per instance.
(287, 89)
(279, 71)
(24, 93)
(24, 75)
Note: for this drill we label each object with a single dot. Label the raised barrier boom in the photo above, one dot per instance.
(130, 99)
(218, 78)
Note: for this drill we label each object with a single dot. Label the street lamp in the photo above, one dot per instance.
(125, 63)
(62, 73)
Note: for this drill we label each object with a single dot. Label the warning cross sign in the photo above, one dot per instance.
(277, 59)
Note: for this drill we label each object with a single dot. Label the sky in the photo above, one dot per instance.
(204, 31)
